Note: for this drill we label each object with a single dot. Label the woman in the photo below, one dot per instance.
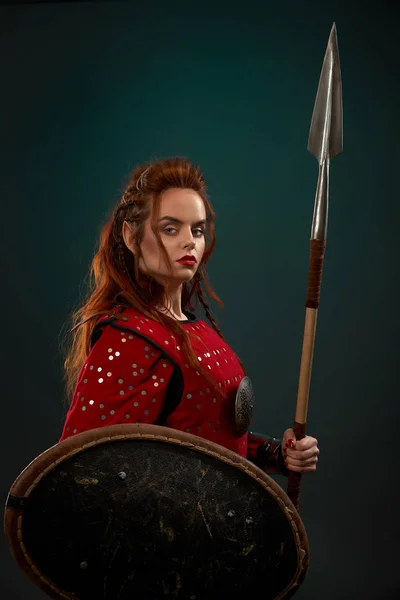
(139, 354)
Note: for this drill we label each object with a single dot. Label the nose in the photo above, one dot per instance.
(188, 241)
(189, 244)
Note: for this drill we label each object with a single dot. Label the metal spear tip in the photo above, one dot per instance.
(326, 131)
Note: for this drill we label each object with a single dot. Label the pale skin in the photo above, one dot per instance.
(182, 226)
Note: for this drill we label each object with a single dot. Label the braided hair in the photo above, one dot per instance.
(201, 298)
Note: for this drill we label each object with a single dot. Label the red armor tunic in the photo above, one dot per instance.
(136, 372)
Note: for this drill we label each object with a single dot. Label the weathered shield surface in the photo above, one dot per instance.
(146, 512)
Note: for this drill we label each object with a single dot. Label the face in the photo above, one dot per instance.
(181, 226)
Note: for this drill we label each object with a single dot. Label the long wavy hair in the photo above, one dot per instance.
(115, 278)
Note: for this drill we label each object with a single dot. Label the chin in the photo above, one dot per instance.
(184, 277)
(176, 278)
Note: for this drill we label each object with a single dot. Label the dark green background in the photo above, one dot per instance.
(88, 90)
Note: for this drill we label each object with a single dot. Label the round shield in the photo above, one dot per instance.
(147, 512)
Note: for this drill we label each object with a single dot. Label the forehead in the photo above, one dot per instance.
(183, 204)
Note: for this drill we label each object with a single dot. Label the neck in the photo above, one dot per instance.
(172, 305)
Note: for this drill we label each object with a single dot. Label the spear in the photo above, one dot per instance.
(325, 142)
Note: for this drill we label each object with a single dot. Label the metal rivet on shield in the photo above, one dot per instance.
(122, 475)
(231, 513)
(83, 565)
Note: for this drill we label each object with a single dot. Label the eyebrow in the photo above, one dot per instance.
(179, 222)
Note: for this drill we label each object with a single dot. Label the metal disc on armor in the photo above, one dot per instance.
(146, 512)
(244, 404)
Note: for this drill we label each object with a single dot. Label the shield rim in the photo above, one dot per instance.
(38, 468)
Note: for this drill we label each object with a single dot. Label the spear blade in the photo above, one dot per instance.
(325, 139)
(326, 131)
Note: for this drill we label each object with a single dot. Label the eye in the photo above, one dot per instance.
(170, 230)
(198, 232)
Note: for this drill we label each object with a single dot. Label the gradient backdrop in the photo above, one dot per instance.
(88, 90)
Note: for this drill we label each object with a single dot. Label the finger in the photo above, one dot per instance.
(303, 469)
(314, 450)
(306, 442)
(301, 463)
(289, 433)
(288, 437)
(302, 453)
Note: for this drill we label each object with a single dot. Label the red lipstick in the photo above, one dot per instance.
(188, 259)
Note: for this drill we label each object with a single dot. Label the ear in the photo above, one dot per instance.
(129, 236)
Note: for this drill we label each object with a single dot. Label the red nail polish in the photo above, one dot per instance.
(292, 443)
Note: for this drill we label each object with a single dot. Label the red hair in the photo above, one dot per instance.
(115, 277)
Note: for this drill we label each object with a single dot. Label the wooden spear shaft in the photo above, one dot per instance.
(317, 252)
